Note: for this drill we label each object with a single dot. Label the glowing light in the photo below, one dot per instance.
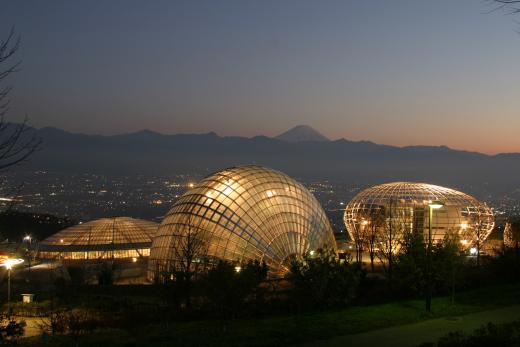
(365, 222)
(134, 260)
(473, 250)
(270, 193)
(27, 238)
(9, 263)
(312, 253)
(238, 269)
(228, 191)
(464, 242)
(435, 204)
(464, 225)
(191, 185)
(61, 240)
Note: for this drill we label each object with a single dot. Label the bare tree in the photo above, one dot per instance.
(190, 257)
(375, 222)
(16, 141)
(359, 240)
(480, 234)
(391, 236)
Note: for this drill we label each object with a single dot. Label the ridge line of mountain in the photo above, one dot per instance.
(151, 134)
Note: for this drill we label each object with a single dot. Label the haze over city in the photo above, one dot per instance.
(398, 73)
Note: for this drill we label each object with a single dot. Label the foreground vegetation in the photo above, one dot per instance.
(504, 335)
(234, 304)
(294, 329)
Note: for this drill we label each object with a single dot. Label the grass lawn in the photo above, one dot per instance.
(426, 331)
(296, 329)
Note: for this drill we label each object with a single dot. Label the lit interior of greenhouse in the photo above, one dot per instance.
(105, 238)
(404, 207)
(242, 214)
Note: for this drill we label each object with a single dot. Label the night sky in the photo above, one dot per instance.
(436, 72)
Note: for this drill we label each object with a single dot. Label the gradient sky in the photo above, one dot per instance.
(432, 72)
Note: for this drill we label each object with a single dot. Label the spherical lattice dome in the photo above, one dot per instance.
(241, 214)
(404, 206)
(118, 237)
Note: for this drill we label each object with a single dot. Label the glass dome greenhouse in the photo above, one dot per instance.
(241, 214)
(404, 207)
(105, 238)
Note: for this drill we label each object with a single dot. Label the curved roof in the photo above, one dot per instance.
(414, 193)
(240, 214)
(461, 213)
(102, 234)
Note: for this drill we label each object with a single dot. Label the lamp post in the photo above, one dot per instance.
(434, 205)
(8, 264)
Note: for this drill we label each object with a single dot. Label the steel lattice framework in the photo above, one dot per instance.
(117, 237)
(404, 205)
(241, 214)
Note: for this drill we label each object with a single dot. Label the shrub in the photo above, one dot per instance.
(227, 286)
(10, 329)
(322, 280)
(504, 335)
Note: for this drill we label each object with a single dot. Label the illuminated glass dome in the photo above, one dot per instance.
(105, 238)
(404, 207)
(241, 214)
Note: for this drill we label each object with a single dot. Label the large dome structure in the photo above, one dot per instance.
(241, 214)
(105, 238)
(404, 207)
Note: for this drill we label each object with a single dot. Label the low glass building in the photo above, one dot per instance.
(240, 214)
(402, 207)
(105, 238)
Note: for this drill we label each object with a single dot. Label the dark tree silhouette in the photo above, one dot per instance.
(375, 222)
(190, 255)
(16, 141)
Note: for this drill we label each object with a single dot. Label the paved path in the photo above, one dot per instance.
(428, 331)
(33, 325)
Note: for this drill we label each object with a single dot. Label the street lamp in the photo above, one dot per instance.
(433, 205)
(8, 264)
